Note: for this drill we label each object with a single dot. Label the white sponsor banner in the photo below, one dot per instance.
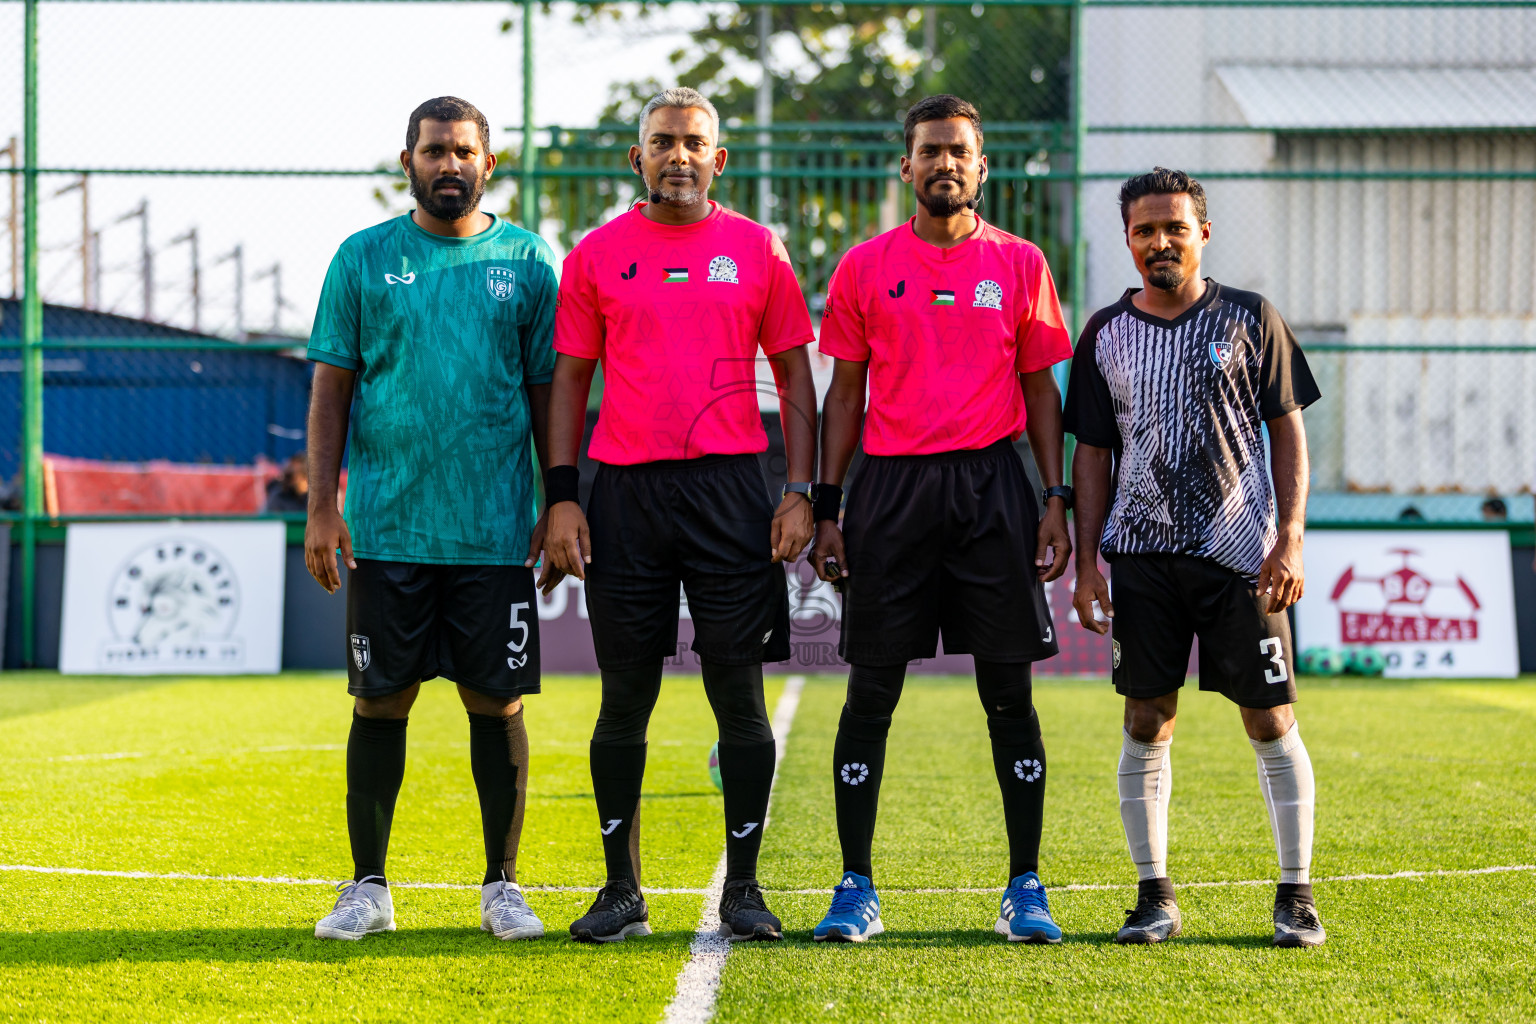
(1435, 603)
(173, 598)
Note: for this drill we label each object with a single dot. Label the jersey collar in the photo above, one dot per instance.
(486, 235)
(937, 253)
(1211, 290)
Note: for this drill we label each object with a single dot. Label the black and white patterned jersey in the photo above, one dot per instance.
(1182, 404)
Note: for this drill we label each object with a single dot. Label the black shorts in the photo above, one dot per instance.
(705, 523)
(943, 544)
(1162, 602)
(477, 625)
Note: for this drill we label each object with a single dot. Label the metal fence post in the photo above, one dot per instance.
(527, 183)
(31, 354)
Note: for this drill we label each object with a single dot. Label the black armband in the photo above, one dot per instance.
(561, 483)
(827, 502)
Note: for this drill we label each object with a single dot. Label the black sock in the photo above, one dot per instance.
(618, 769)
(746, 774)
(498, 757)
(375, 768)
(1295, 891)
(1160, 889)
(858, 762)
(1018, 757)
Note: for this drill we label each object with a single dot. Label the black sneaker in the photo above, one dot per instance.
(618, 912)
(1296, 922)
(744, 915)
(1153, 920)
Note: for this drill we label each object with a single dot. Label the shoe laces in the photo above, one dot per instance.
(1143, 905)
(847, 901)
(1031, 899)
(1304, 911)
(615, 898)
(744, 897)
(351, 895)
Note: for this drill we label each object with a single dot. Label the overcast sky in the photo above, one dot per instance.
(272, 85)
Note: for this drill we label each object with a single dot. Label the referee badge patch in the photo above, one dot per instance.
(500, 282)
(989, 295)
(1116, 645)
(723, 268)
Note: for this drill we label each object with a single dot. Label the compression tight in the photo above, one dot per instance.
(747, 757)
(1018, 757)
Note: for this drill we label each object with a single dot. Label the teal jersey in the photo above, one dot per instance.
(444, 334)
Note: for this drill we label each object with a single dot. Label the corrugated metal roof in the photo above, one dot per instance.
(1297, 98)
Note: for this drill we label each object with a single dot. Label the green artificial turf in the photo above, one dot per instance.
(246, 777)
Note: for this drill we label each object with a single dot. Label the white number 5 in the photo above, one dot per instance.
(1276, 654)
(516, 646)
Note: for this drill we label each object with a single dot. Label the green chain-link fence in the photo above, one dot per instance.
(182, 173)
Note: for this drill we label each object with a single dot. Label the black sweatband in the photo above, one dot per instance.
(561, 483)
(827, 502)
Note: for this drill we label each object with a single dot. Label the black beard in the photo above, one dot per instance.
(449, 208)
(1165, 278)
(945, 204)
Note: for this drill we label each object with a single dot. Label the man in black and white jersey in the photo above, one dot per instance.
(1171, 390)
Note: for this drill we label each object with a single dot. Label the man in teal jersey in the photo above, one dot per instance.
(434, 339)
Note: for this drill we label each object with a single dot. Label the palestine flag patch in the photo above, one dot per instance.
(679, 275)
(943, 297)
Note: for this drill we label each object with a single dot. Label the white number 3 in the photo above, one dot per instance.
(516, 646)
(1276, 653)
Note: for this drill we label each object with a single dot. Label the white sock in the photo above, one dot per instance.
(1285, 779)
(1146, 779)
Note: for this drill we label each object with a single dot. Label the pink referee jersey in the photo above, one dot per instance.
(676, 314)
(945, 332)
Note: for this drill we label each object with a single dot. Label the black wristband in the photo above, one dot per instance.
(826, 502)
(561, 483)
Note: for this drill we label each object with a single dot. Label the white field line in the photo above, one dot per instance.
(182, 876)
(284, 880)
(699, 981)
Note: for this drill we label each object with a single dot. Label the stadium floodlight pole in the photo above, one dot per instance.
(527, 185)
(190, 237)
(275, 272)
(146, 254)
(31, 354)
(237, 256)
(83, 186)
(764, 113)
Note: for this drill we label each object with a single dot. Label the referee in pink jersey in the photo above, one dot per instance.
(675, 298)
(954, 326)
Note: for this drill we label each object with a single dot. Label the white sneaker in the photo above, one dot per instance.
(505, 914)
(363, 908)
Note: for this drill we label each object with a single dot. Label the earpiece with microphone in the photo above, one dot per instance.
(655, 195)
(971, 204)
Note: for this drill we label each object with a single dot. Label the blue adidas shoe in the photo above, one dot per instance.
(855, 913)
(1026, 913)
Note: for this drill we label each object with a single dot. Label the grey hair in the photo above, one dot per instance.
(683, 98)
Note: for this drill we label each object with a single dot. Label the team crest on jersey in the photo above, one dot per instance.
(723, 268)
(1221, 353)
(500, 281)
(362, 657)
(989, 295)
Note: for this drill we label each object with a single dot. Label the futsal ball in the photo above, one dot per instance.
(1322, 661)
(1365, 661)
(714, 766)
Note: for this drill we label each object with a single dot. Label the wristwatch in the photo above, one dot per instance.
(1060, 491)
(794, 488)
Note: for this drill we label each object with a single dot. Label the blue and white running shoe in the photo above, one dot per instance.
(855, 913)
(1025, 915)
